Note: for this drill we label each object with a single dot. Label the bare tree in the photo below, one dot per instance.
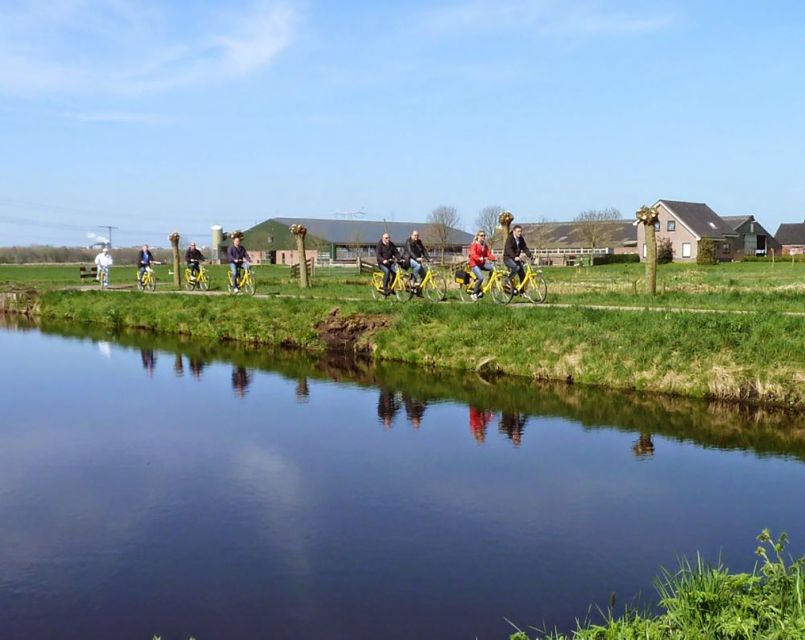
(488, 220)
(440, 221)
(597, 225)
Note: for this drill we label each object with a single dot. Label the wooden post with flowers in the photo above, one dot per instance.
(299, 231)
(647, 216)
(505, 219)
(174, 238)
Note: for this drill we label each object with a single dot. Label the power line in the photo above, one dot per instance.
(109, 228)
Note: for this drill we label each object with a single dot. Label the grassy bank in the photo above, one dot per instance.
(700, 601)
(757, 357)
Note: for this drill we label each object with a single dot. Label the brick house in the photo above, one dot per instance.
(791, 237)
(685, 224)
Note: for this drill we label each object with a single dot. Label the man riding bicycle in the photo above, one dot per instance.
(387, 256)
(103, 261)
(194, 258)
(238, 259)
(144, 261)
(415, 255)
(514, 247)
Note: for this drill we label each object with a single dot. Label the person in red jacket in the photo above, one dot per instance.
(481, 259)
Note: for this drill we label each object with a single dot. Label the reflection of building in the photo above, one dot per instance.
(387, 407)
(337, 240)
(241, 379)
(511, 425)
(479, 419)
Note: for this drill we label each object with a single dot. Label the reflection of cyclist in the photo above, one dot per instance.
(387, 255)
(414, 255)
(194, 258)
(387, 407)
(479, 419)
(241, 379)
(515, 246)
(238, 259)
(144, 260)
(103, 261)
(149, 360)
(414, 410)
(511, 425)
(481, 260)
(196, 366)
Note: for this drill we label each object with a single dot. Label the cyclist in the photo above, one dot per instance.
(387, 256)
(514, 247)
(481, 260)
(193, 257)
(102, 262)
(414, 255)
(144, 260)
(238, 259)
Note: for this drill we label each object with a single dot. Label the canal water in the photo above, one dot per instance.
(152, 487)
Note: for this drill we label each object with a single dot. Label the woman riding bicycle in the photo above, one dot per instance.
(481, 259)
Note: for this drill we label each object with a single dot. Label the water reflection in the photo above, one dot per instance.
(714, 424)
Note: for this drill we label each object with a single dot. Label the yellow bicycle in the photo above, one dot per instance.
(400, 285)
(245, 281)
(493, 284)
(532, 287)
(199, 280)
(433, 286)
(148, 281)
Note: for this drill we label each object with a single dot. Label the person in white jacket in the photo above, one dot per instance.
(103, 261)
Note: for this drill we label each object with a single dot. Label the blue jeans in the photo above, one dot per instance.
(387, 271)
(234, 268)
(515, 268)
(479, 274)
(140, 272)
(419, 270)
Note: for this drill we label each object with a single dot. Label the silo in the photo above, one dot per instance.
(217, 239)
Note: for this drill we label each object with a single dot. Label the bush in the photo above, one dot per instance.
(616, 258)
(799, 257)
(665, 251)
(707, 252)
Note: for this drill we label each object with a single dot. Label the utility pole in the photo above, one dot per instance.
(108, 231)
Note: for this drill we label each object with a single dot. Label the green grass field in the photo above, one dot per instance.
(736, 286)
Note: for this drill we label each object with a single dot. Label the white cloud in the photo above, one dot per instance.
(114, 47)
(131, 117)
(564, 17)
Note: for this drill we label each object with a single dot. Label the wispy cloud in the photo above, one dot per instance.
(563, 17)
(124, 47)
(115, 117)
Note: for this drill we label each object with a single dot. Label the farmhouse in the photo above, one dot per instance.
(791, 238)
(685, 224)
(753, 239)
(342, 240)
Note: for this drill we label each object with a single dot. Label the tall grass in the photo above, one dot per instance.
(700, 601)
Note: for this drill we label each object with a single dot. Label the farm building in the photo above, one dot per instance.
(791, 237)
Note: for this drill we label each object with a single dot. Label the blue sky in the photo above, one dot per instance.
(160, 116)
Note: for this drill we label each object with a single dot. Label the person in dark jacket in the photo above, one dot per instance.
(514, 247)
(144, 260)
(387, 256)
(193, 257)
(238, 259)
(415, 254)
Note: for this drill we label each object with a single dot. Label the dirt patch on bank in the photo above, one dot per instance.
(352, 333)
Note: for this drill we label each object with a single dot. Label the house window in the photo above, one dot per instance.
(671, 226)
(657, 225)
(644, 249)
(686, 249)
(725, 248)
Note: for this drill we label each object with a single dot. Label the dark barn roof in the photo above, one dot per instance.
(737, 222)
(699, 218)
(569, 234)
(792, 233)
(346, 232)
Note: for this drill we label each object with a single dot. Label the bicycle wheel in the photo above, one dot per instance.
(249, 285)
(502, 290)
(230, 286)
(436, 288)
(464, 292)
(189, 283)
(537, 289)
(204, 281)
(151, 283)
(140, 283)
(402, 288)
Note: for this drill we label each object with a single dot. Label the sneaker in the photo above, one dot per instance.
(474, 297)
(480, 295)
(236, 291)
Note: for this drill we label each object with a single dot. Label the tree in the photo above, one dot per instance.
(597, 225)
(440, 221)
(647, 216)
(488, 219)
(665, 251)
